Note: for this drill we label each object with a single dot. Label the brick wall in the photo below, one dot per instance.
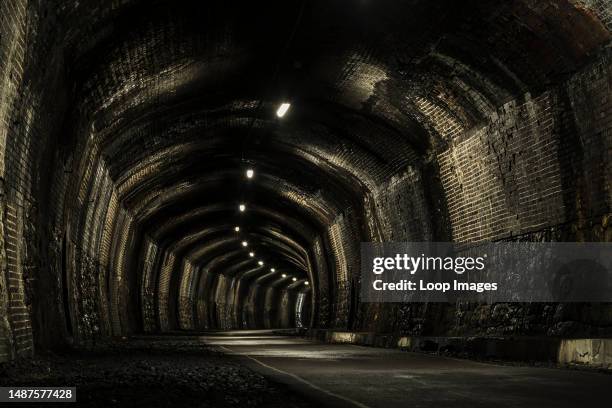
(31, 107)
(167, 267)
(539, 172)
(320, 272)
(542, 162)
(505, 178)
(399, 208)
(601, 8)
(148, 275)
(590, 95)
(15, 331)
(342, 239)
(186, 295)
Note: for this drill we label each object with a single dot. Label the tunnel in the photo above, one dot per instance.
(188, 176)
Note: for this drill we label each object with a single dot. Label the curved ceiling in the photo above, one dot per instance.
(179, 100)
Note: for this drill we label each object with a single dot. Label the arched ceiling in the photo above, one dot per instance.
(180, 98)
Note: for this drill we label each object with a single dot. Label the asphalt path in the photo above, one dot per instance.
(355, 376)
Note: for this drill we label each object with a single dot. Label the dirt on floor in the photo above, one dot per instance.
(168, 372)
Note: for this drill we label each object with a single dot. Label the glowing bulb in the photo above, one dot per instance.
(237, 229)
(250, 173)
(306, 283)
(260, 263)
(282, 109)
(245, 244)
(294, 279)
(242, 207)
(272, 270)
(251, 254)
(284, 275)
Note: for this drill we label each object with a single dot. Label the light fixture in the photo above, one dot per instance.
(250, 173)
(242, 207)
(294, 279)
(251, 254)
(272, 270)
(306, 283)
(237, 229)
(245, 244)
(284, 275)
(260, 263)
(282, 109)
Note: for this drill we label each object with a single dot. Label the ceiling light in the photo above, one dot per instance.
(272, 270)
(284, 275)
(294, 279)
(237, 229)
(282, 109)
(242, 207)
(245, 244)
(260, 263)
(250, 173)
(251, 254)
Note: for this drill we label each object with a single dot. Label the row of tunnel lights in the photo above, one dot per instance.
(250, 173)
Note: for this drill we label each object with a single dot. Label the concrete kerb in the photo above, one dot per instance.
(596, 353)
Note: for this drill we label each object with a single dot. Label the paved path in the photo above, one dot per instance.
(354, 376)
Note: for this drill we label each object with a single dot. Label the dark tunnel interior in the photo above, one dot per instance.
(150, 184)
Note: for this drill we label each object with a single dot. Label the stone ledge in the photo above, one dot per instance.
(595, 353)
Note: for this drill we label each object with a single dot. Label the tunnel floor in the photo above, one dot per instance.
(168, 371)
(265, 369)
(356, 376)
